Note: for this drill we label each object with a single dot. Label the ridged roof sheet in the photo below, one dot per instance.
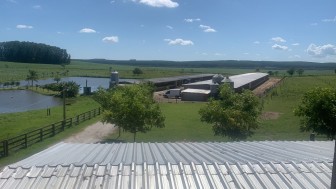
(311, 175)
(187, 152)
(302, 164)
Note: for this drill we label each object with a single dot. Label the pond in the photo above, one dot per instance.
(23, 100)
(92, 82)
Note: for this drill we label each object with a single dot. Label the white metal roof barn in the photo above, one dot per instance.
(175, 165)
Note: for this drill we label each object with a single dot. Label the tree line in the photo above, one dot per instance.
(30, 52)
(248, 64)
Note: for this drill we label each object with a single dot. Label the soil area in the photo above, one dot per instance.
(269, 115)
(271, 82)
(92, 134)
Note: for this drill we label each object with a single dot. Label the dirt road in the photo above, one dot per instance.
(92, 134)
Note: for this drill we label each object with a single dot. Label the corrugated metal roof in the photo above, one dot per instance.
(220, 152)
(309, 175)
(176, 78)
(239, 80)
(202, 91)
(281, 164)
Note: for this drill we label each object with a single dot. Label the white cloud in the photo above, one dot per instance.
(297, 56)
(279, 47)
(296, 44)
(257, 42)
(207, 28)
(179, 42)
(329, 19)
(321, 51)
(169, 27)
(87, 30)
(191, 20)
(111, 39)
(278, 39)
(22, 26)
(158, 3)
(37, 7)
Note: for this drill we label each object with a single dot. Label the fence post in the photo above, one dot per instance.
(77, 121)
(25, 141)
(89, 114)
(5, 147)
(84, 116)
(94, 113)
(63, 125)
(41, 135)
(70, 122)
(53, 129)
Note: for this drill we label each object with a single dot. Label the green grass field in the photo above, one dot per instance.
(10, 71)
(13, 124)
(182, 119)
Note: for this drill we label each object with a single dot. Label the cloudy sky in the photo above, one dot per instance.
(303, 30)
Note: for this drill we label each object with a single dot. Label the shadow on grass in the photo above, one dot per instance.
(116, 140)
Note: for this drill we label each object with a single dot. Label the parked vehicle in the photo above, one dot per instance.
(172, 93)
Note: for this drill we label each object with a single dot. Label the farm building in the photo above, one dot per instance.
(240, 82)
(177, 81)
(281, 164)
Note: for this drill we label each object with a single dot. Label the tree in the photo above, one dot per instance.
(317, 111)
(299, 71)
(137, 71)
(234, 115)
(32, 76)
(57, 78)
(70, 88)
(291, 71)
(131, 108)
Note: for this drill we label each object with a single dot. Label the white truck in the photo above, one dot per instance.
(173, 93)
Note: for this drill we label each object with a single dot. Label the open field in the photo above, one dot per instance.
(10, 71)
(182, 119)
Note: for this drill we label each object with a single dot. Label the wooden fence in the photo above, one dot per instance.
(25, 140)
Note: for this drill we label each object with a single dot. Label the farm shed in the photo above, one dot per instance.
(173, 82)
(242, 81)
(195, 95)
(281, 164)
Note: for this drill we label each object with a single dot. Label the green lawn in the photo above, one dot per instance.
(13, 124)
(183, 121)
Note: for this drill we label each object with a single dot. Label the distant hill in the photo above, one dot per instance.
(220, 64)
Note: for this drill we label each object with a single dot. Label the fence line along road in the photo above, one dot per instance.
(25, 140)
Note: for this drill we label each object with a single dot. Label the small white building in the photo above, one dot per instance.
(195, 95)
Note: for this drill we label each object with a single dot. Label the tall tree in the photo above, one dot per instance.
(234, 115)
(300, 71)
(137, 71)
(291, 71)
(317, 111)
(32, 76)
(131, 108)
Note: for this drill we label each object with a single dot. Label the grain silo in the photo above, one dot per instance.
(114, 80)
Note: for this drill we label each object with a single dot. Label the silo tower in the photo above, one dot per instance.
(114, 80)
(228, 81)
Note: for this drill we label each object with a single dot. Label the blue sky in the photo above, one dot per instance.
(287, 30)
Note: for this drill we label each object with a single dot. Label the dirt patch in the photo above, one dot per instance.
(158, 97)
(271, 82)
(92, 134)
(269, 115)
